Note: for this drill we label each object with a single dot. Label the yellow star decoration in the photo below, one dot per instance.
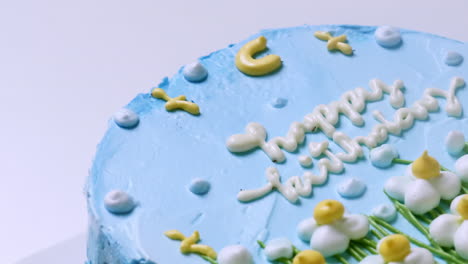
(189, 244)
(335, 43)
(179, 102)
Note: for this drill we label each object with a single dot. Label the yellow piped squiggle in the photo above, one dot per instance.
(256, 67)
(179, 102)
(335, 43)
(189, 244)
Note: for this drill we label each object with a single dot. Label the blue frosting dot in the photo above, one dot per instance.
(351, 188)
(195, 72)
(388, 37)
(279, 102)
(126, 118)
(453, 58)
(199, 186)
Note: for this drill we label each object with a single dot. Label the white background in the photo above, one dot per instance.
(66, 66)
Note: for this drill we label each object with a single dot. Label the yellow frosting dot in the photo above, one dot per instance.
(462, 207)
(328, 211)
(394, 248)
(426, 167)
(309, 257)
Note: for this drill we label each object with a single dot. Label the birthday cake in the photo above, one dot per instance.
(304, 145)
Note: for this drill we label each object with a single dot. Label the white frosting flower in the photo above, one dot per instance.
(396, 249)
(422, 195)
(455, 142)
(461, 168)
(451, 230)
(329, 231)
(279, 248)
(235, 254)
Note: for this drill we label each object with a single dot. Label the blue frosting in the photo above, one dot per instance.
(156, 160)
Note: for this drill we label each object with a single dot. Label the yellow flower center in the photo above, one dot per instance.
(309, 257)
(327, 211)
(394, 248)
(462, 207)
(426, 167)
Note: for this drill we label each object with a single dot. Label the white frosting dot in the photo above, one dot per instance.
(386, 212)
(119, 202)
(126, 118)
(388, 37)
(351, 188)
(383, 156)
(195, 72)
(305, 161)
(455, 142)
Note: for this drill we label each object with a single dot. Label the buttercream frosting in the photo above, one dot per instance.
(387, 36)
(195, 72)
(351, 188)
(455, 142)
(126, 118)
(383, 155)
(119, 202)
(157, 160)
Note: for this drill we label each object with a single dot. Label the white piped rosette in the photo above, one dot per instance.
(334, 237)
(416, 256)
(422, 195)
(451, 230)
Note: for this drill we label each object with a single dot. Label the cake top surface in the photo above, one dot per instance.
(159, 161)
